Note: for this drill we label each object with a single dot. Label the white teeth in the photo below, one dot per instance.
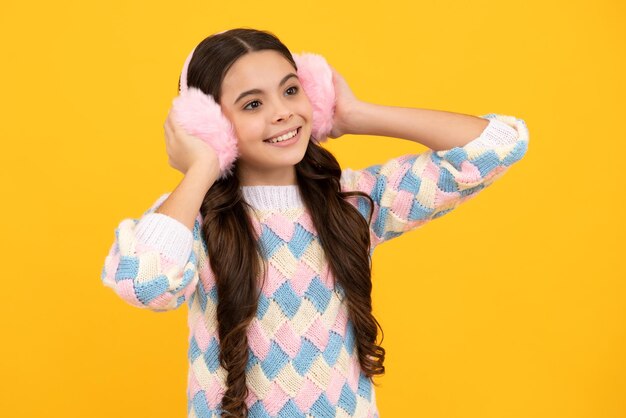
(284, 137)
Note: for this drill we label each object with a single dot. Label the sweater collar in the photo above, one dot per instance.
(273, 197)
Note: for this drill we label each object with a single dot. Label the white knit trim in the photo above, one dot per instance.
(273, 197)
(495, 134)
(167, 235)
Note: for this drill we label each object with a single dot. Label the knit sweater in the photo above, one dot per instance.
(303, 360)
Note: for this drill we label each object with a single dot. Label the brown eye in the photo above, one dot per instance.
(293, 88)
(254, 101)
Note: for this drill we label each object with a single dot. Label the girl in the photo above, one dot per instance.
(274, 260)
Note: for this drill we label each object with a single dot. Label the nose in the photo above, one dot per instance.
(282, 113)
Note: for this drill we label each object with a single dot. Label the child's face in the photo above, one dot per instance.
(266, 113)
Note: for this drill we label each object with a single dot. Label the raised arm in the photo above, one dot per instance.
(467, 153)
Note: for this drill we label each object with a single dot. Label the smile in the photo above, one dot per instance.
(289, 137)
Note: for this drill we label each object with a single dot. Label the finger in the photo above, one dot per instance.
(168, 122)
(168, 132)
(171, 120)
(168, 118)
(175, 126)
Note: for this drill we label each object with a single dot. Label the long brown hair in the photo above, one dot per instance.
(234, 252)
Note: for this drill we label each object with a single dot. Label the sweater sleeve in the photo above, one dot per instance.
(410, 190)
(153, 262)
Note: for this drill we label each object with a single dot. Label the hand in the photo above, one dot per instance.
(345, 106)
(185, 150)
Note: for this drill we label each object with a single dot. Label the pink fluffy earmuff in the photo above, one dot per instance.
(201, 116)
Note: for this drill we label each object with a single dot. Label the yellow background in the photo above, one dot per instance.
(513, 305)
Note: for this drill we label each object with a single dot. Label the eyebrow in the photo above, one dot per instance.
(257, 91)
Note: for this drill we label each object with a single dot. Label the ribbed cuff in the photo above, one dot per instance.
(497, 133)
(167, 235)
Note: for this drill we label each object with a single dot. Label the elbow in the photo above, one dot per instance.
(148, 292)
